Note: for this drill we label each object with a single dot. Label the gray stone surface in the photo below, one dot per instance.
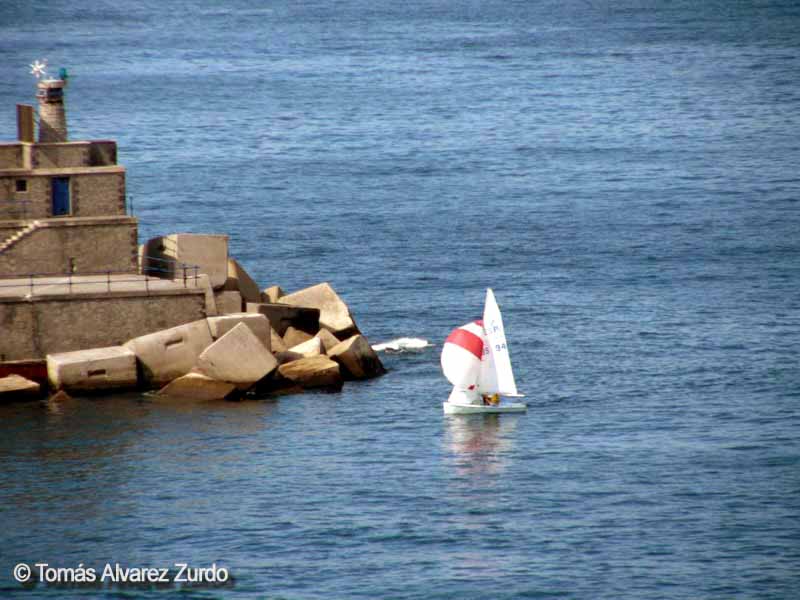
(314, 372)
(271, 294)
(312, 347)
(281, 316)
(328, 340)
(228, 302)
(208, 252)
(239, 280)
(258, 324)
(334, 313)
(16, 387)
(196, 387)
(293, 336)
(112, 368)
(168, 354)
(238, 357)
(357, 358)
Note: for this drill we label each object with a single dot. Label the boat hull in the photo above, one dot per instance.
(482, 409)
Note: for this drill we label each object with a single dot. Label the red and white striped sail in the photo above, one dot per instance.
(461, 355)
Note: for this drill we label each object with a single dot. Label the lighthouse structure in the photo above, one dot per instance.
(52, 117)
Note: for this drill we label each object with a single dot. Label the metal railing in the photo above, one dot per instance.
(104, 281)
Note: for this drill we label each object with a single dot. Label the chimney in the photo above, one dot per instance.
(52, 118)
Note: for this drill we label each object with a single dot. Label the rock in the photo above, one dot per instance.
(271, 294)
(240, 281)
(276, 341)
(287, 356)
(334, 313)
(294, 336)
(312, 347)
(16, 387)
(166, 255)
(257, 323)
(314, 372)
(282, 316)
(357, 358)
(165, 355)
(237, 357)
(196, 386)
(328, 340)
(112, 368)
(228, 302)
(60, 396)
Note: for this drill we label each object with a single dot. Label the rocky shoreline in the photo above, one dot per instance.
(288, 343)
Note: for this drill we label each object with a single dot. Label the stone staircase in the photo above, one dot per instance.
(24, 232)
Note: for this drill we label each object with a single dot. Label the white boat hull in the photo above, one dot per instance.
(451, 408)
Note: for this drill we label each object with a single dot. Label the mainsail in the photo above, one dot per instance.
(496, 374)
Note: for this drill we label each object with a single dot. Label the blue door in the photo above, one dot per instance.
(60, 196)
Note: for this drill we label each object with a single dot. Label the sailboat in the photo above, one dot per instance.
(476, 361)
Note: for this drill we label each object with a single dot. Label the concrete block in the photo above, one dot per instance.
(357, 358)
(203, 282)
(258, 324)
(271, 294)
(240, 281)
(314, 372)
(294, 336)
(16, 387)
(112, 368)
(238, 357)
(276, 341)
(281, 316)
(334, 313)
(312, 347)
(208, 252)
(228, 302)
(328, 340)
(165, 355)
(197, 387)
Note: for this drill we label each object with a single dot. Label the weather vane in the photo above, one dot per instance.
(39, 68)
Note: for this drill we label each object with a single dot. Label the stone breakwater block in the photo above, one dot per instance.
(257, 323)
(328, 340)
(240, 281)
(208, 252)
(165, 355)
(97, 369)
(333, 312)
(282, 316)
(314, 372)
(228, 302)
(271, 294)
(358, 359)
(237, 357)
(294, 336)
(276, 341)
(196, 386)
(312, 347)
(16, 387)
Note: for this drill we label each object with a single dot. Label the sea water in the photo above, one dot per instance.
(623, 174)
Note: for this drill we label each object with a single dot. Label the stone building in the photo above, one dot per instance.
(69, 266)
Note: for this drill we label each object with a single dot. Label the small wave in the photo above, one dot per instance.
(404, 344)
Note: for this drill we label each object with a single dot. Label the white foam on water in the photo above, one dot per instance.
(403, 344)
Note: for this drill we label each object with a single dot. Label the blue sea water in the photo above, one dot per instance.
(623, 174)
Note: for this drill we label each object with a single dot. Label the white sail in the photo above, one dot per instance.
(496, 373)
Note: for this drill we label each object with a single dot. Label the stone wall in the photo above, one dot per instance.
(11, 156)
(77, 245)
(45, 325)
(92, 194)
